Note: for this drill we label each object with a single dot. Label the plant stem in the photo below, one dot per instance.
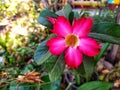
(77, 77)
(104, 48)
(69, 85)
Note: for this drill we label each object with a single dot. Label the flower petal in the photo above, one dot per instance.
(73, 57)
(89, 46)
(52, 20)
(56, 45)
(82, 26)
(62, 27)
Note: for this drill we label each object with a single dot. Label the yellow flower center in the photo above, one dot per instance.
(71, 40)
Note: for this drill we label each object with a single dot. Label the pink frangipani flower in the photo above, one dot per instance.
(72, 39)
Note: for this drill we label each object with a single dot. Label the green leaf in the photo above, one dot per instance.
(105, 38)
(111, 29)
(42, 53)
(76, 14)
(3, 44)
(45, 77)
(32, 86)
(24, 86)
(65, 11)
(86, 69)
(50, 62)
(71, 17)
(95, 85)
(27, 68)
(43, 20)
(102, 51)
(4, 87)
(58, 68)
(89, 66)
(50, 85)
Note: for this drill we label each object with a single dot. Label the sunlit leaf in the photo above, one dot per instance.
(3, 44)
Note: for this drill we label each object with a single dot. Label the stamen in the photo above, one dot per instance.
(71, 40)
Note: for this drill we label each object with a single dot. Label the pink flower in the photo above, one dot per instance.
(72, 39)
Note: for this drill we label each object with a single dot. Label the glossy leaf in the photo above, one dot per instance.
(43, 20)
(107, 28)
(105, 38)
(42, 53)
(95, 85)
(65, 11)
(57, 69)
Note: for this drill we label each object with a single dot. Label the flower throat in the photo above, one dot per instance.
(71, 40)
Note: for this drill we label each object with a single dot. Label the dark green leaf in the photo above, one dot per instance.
(43, 20)
(71, 17)
(95, 85)
(105, 38)
(80, 71)
(58, 68)
(45, 77)
(65, 11)
(86, 69)
(4, 87)
(24, 86)
(102, 51)
(42, 53)
(111, 29)
(76, 14)
(89, 67)
(27, 68)
(50, 62)
(50, 85)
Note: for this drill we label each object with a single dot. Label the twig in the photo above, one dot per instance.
(45, 3)
(55, 5)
